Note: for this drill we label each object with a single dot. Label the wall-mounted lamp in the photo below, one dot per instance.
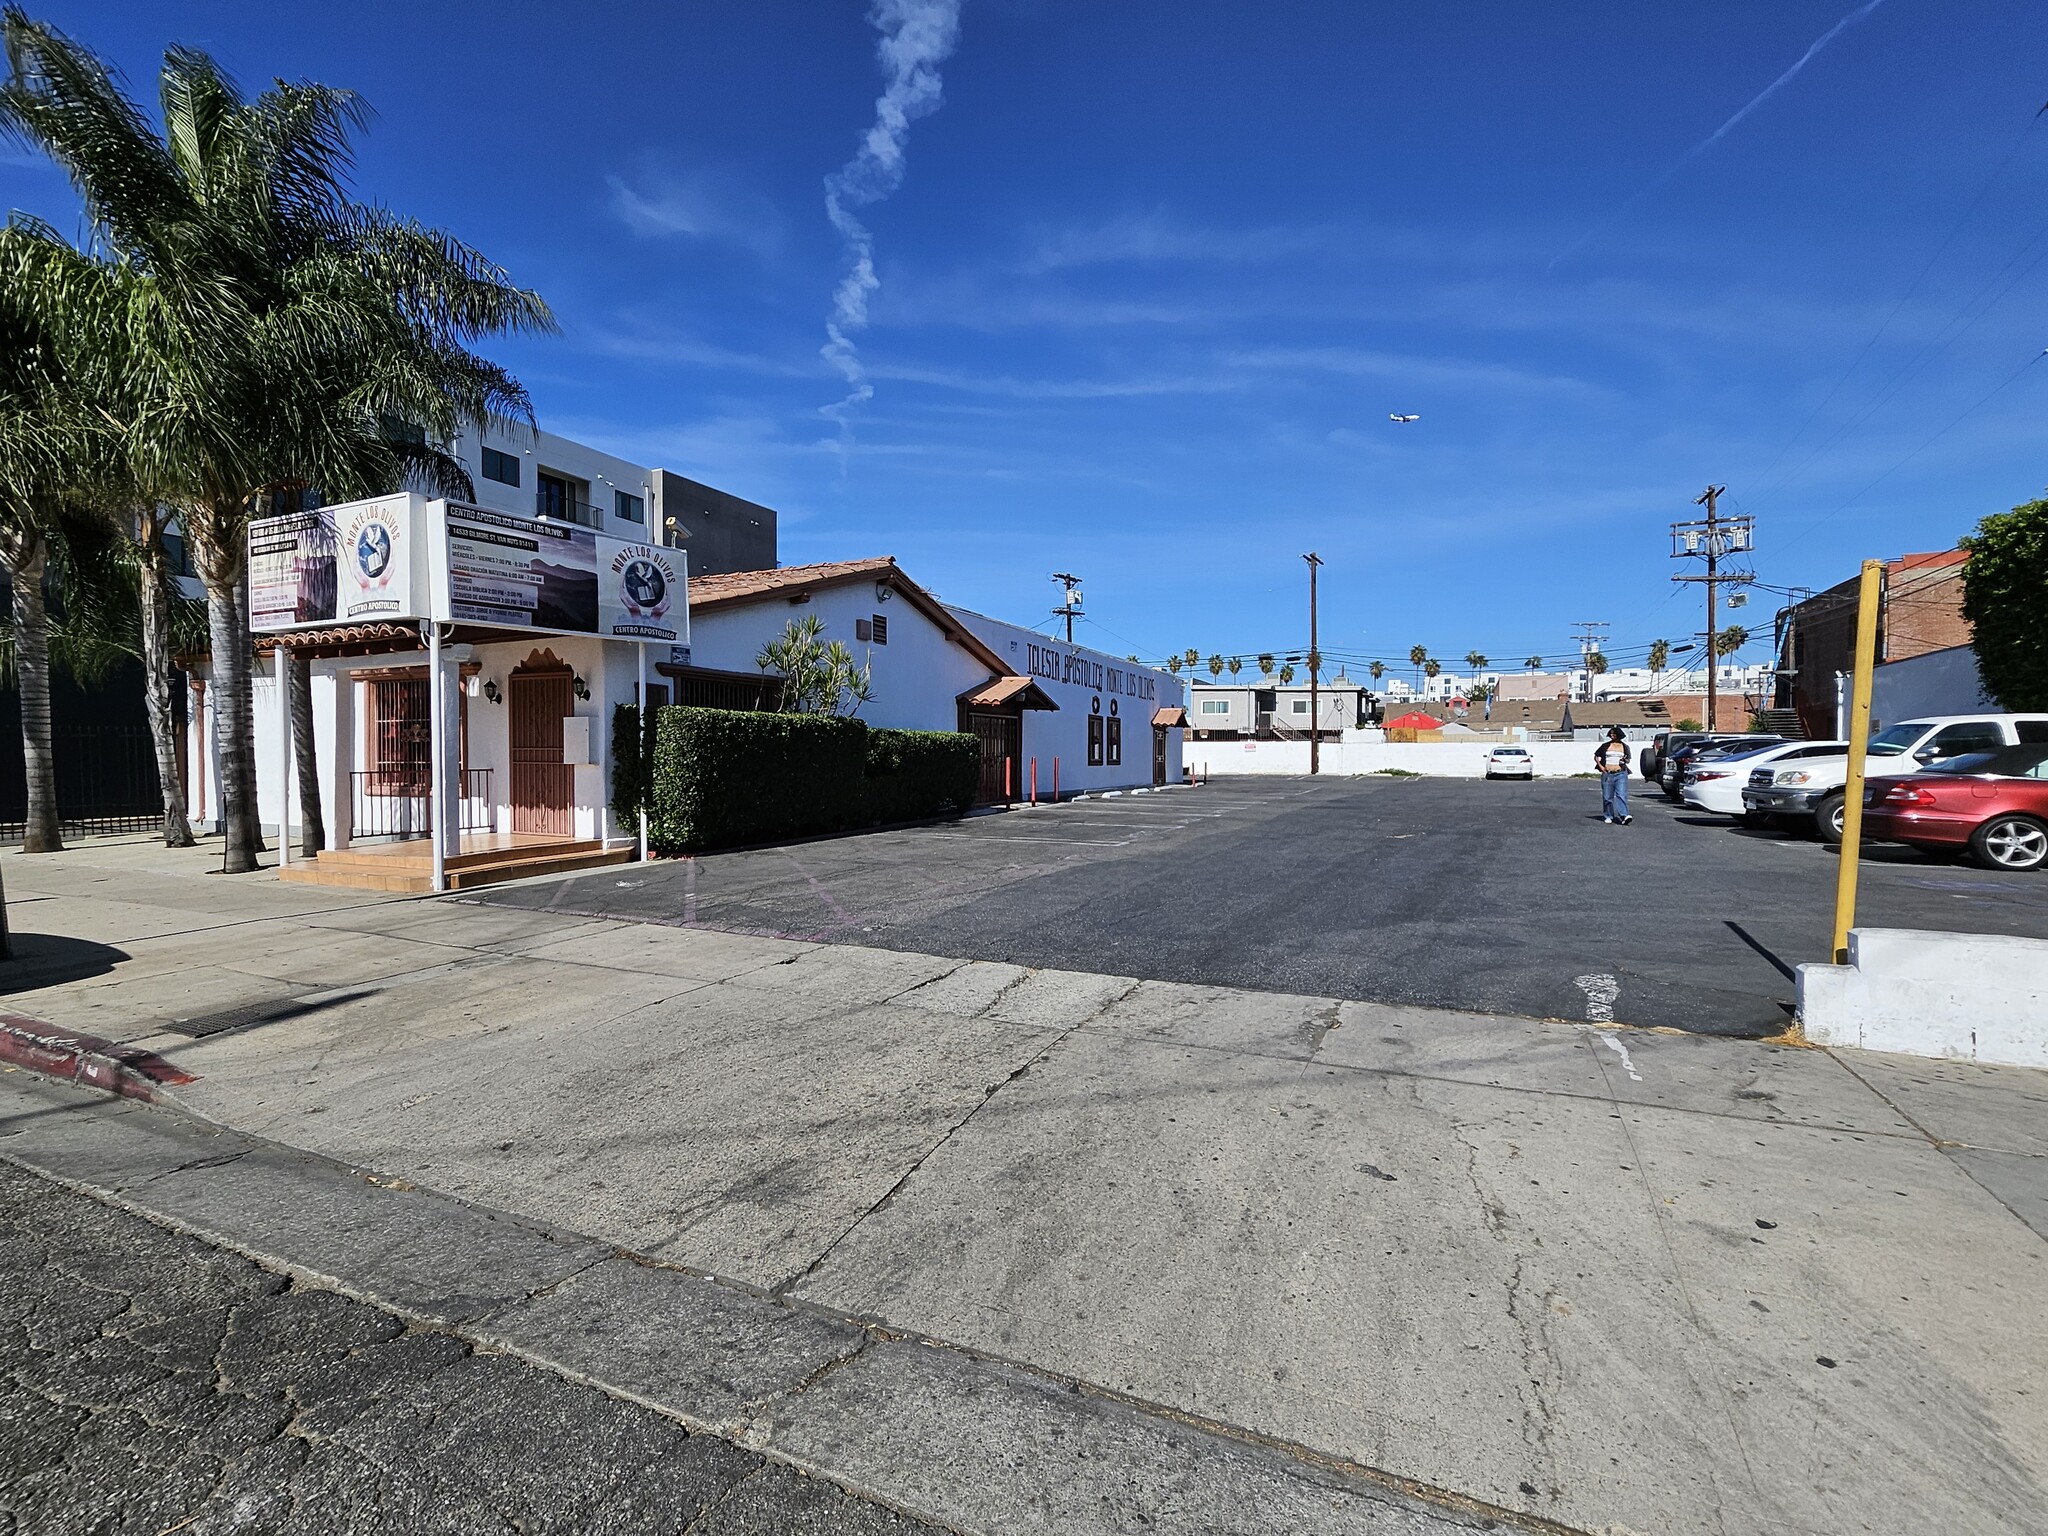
(492, 691)
(580, 688)
(883, 591)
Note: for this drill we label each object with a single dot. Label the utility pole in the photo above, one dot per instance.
(1315, 716)
(1591, 636)
(1070, 604)
(1716, 538)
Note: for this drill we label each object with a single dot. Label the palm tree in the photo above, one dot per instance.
(1534, 663)
(1215, 666)
(1659, 659)
(41, 442)
(1314, 662)
(1174, 664)
(1476, 660)
(1378, 670)
(1236, 665)
(1192, 657)
(1730, 640)
(1286, 674)
(1596, 663)
(1431, 666)
(276, 329)
(81, 303)
(1265, 660)
(1417, 655)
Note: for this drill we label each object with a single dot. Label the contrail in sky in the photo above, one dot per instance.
(1721, 132)
(917, 36)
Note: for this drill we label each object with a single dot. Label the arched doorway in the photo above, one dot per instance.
(538, 698)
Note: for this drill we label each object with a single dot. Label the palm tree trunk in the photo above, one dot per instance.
(312, 829)
(40, 830)
(160, 677)
(234, 715)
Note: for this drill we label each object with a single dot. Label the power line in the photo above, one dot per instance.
(1911, 288)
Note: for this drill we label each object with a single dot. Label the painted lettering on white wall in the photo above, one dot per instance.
(1071, 667)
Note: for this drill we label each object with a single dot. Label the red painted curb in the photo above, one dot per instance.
(87, 1059)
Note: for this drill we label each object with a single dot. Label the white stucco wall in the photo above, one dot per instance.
(608, 668)
(918, 676)
(1063, 733)
(1367, 752)
(1938, 683)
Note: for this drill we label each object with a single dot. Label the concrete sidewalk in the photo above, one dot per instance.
(1617, 1279)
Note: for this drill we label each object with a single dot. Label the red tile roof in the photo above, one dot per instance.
(1022, 691)
(744, 586)
(738, 588)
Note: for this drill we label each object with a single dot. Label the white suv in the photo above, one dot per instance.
(1813, 786)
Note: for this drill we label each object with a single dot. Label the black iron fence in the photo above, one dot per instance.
(387, 802)
(106, 781)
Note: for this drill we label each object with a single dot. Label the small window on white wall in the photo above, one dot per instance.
(1215, 706)
(1300, 706)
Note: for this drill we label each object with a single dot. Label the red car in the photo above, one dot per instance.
(1993, 803)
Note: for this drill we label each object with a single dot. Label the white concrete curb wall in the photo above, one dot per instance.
(1972, 996)
(1438, 760)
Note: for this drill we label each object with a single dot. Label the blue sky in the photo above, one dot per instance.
(1157, 272)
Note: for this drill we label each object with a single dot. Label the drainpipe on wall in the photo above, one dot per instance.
(1841, 706)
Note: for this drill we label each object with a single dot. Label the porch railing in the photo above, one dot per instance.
(395, 802)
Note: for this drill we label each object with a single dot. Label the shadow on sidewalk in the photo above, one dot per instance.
(51, 959)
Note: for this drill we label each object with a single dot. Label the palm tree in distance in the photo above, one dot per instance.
(1265, 661)
(1215, 666)
(1286, 674)
(1417, 655)
(1431, 667)
(1534, 663)
(1476, 660)
(1191, 657)
(1659, 658)
(1235, 664)
(1378, 670)
(281, 336)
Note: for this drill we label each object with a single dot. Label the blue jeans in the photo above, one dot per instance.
(1614, 795)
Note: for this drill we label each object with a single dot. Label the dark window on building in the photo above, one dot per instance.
(1095, 741)
(1116, 741)
(629, 508)
(501, 467)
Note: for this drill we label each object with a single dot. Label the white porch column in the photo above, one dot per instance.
(640, 697)
(284, 757)
(437, 767)
(342, 768)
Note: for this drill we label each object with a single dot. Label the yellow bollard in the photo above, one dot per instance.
(1859, 747)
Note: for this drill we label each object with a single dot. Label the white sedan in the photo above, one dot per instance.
(1510, 763)
(1716, 783)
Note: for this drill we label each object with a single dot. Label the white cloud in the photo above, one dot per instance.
(700, 207)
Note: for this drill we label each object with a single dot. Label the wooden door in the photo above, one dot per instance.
(543, 786)
(1158, 754)
(1001, 738)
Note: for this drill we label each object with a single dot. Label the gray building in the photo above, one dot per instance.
(720, 532)
(1263, 707)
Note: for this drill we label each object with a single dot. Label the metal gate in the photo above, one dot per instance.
(1001, 738)
(543, 786)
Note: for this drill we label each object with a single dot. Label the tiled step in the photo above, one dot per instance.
(413, 874)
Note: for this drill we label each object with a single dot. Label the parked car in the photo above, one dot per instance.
(1995, 804)
(1815, 787)
(1715, 782)
(1675, 761)
(1510, 763)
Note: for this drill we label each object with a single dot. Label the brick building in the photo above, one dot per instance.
(1921, 611)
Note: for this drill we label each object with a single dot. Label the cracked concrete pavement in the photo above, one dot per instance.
(155, 1383)
(1684, 1285)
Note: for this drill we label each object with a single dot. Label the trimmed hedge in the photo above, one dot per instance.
(722, 777)
(915, 774)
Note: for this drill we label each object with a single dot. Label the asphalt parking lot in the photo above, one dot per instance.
(1492, 897)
